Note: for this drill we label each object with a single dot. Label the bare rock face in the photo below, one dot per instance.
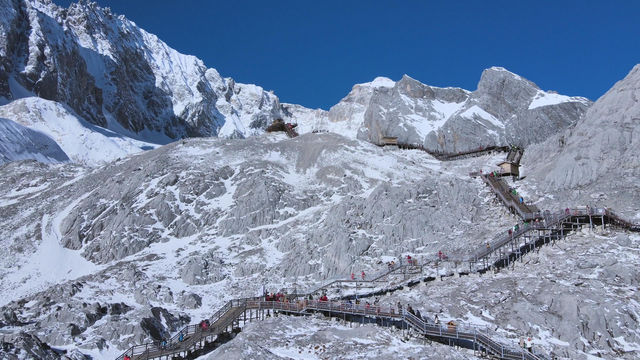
(202, 269)
(162, 323)
(27, 346)
(598, 158)
(52, 66)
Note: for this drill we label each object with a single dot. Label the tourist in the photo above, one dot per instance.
(529, 344)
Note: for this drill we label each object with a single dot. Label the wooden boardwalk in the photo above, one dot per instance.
(254, 309)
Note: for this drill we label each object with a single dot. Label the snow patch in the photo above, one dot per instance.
(50, 264)
(543, 98)
(477, 111)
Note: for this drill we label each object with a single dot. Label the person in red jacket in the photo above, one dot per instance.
(363, 275)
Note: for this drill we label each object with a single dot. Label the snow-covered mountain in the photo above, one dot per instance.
(18, 142)
(116, 75)
(505, 109)
(100, 260)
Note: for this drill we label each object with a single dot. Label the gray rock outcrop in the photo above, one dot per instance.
(597, 159)
(26, 346)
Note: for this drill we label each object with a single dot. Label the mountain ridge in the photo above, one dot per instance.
(120, 77)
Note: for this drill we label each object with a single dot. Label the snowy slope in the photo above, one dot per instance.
(219, 213)
(551, 98)
(80, 140)
(163, 238)
(18, 142)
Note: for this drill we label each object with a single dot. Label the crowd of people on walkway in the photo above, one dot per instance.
(279, 296)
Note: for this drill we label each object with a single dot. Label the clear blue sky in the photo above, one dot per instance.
(312, 52)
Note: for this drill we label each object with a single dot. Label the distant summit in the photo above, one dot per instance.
(505, 109)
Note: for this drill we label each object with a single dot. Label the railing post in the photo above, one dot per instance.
(475, 332)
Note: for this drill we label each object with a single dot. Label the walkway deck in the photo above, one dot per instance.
(478, 339)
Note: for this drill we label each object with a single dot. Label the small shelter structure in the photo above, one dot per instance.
(389, 140)
(509, 169)
(280, 125)
(511, 166)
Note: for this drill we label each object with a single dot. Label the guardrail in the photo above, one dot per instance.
(188, 335)
(501, 189)
(444, 156)
(375, 278)
(473, 334)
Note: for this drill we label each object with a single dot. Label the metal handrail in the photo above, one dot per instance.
(526, 212)
(458, 331)
(443, 156)
(551, 221)
(375, 278)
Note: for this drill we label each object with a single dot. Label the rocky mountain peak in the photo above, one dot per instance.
(502, 111)
(382, 81)
(511, 90)
(414, 88)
